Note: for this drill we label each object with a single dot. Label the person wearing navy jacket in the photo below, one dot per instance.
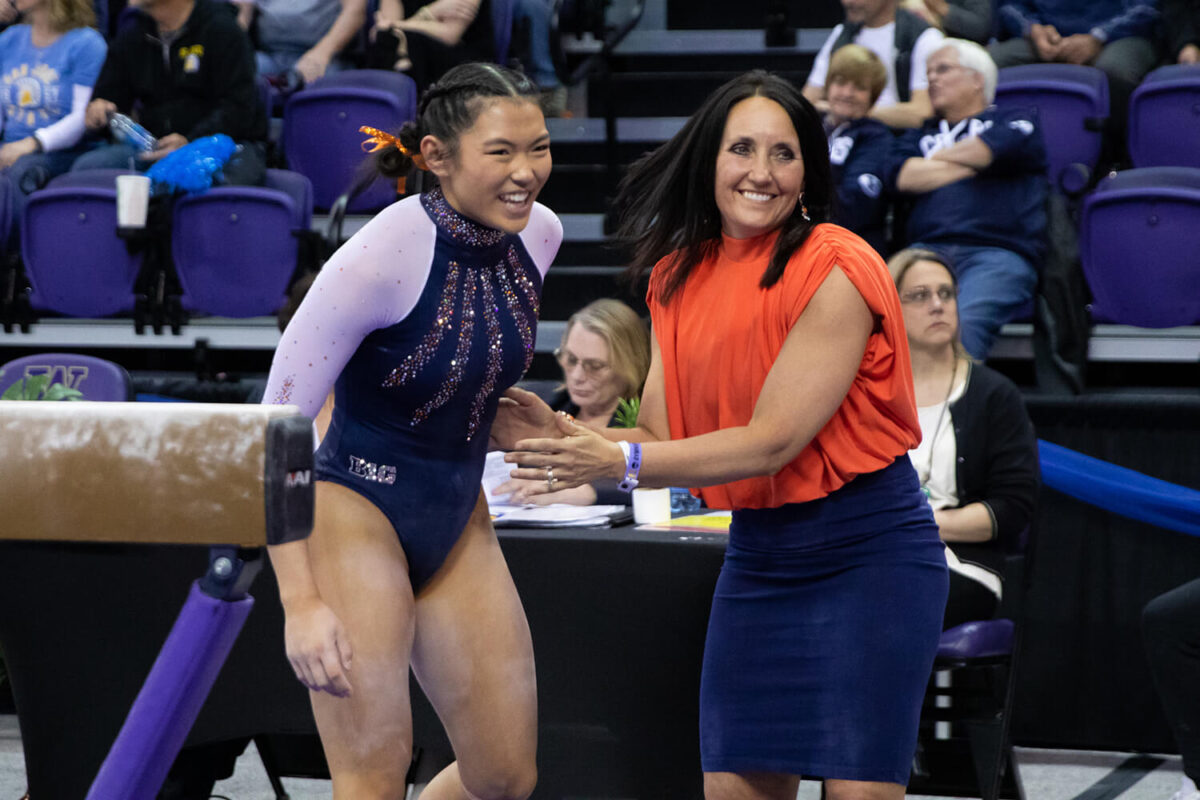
(977, 178)
(859, 146)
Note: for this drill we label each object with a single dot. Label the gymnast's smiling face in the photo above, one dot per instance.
(499, 165)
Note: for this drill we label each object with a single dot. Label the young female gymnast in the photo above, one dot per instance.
(420, 322)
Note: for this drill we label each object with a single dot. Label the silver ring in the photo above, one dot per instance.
(549, 484)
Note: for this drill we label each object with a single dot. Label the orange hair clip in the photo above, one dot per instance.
(381, 139)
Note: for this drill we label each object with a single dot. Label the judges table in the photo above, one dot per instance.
(617, 616)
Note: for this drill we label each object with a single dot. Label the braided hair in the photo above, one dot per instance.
(446, 110)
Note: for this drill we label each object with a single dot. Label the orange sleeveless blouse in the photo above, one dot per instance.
(721, 332)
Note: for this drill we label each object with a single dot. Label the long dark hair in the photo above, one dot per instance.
(667, 198)
(446, 109)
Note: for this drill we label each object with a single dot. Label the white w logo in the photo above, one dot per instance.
(72, 376)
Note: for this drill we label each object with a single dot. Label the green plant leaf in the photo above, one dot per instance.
(627, 412)
(35, 387)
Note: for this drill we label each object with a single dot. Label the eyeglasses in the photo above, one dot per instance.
(942, 69)
(947, 294)
(568, 361)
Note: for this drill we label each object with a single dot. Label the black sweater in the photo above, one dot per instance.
(997, 461)
(202, 83)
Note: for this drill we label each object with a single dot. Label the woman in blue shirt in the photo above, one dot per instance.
(48, 65)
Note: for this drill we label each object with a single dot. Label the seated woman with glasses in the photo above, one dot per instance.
(977, 461)
(604, 355)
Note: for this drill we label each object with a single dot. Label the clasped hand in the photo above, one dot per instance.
(575, 456)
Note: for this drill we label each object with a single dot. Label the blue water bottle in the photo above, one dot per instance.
(126, 131)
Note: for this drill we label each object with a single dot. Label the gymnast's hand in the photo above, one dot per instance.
(521, 415)
(580, 456)
(317, 647)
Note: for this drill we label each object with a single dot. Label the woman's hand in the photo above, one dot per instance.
(317, 647)
(521, 415)
(578, 455)
(534, 493)
(10, 152)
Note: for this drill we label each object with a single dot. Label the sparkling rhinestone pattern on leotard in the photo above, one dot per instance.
(495, 340)
(488, 287)
(417, 359)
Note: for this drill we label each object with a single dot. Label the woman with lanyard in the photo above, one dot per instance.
(780, 383)
(977, 461)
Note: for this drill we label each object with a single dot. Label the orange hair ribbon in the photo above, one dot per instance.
(381, 139)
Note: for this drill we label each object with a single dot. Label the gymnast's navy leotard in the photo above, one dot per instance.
(423, 318)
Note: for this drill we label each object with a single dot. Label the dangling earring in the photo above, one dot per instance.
(804, 209)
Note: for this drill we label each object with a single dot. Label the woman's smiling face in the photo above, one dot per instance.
(760, 174)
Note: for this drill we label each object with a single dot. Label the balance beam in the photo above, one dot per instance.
(229, 476)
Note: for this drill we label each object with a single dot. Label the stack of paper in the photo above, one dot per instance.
(558, 515)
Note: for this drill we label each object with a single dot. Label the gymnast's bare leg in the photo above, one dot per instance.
(474, 658)
(473, 655)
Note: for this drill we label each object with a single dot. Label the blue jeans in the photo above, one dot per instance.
(111, 156)
(31, 172)
(541, 65)
(277, 61)
(994, 285)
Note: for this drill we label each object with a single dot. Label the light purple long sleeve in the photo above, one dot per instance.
(373, 281)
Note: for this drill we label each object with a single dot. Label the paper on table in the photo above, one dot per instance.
(558, 515)
(495, 472)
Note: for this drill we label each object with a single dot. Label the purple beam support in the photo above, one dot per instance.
(171, 697)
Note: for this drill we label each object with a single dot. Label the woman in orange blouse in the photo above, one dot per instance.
(780, 383)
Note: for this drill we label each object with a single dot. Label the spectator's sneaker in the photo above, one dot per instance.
(1187, 790)
(554, 101)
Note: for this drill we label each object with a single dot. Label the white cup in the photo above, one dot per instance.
(651, 506)
(133, 200)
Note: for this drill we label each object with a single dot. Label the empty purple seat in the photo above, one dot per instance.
(320, 131)
(1164, 118)
(1138, 239)
(75, 262)
(1072, 104)
(235, 247)
(96, 378)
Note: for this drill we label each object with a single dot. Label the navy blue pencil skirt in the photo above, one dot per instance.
(824, 625)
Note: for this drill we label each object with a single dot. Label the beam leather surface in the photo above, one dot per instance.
(182, 473)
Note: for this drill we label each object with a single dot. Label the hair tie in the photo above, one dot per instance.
(381, 139)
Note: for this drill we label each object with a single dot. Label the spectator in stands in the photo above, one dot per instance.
(604, 355)
(976, 175)
(308, 36)
(859, 147)
(1171, 627)
(977, 460)
(536, 15)
(190, 69)
(1181, 20)
(1113, 35)
(901, 40)
(48, 66)
(435, 36)
(961, 19)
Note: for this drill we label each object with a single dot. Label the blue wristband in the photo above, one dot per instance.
(633, 465)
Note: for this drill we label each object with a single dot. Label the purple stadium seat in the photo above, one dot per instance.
(97, 378)
(1164, 118)
(320, 131)
(502, 25)
(1071, 103)
(75, 262)
(1138, 239)
(235, 248)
